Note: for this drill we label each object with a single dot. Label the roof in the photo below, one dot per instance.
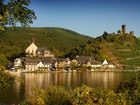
(83, 59)
(32, 61)
(95, 62)
(41, 49)
(31, 45)
(105, 62)
(36, 61)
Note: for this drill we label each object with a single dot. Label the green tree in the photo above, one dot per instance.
(5, 78)
(50, 96)
(132, 90)
(3, 60)
(15, 11)
(79, 96)
(96, 96)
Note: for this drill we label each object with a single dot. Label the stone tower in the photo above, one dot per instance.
(123, 29)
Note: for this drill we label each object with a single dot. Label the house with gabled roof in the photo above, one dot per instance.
(44, 52)
(105, 62)
(33, 51)
(37, 64)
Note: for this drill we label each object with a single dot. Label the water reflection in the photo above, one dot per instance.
(20, 90)
(71, 80)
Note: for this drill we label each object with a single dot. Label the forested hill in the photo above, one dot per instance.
(60, 41)
(121, 49)
(116, 48)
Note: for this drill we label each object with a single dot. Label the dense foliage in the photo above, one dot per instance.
(132, 90)
(91, 48)
(5, 78)
(60, 41)
(79, 96)
(15, 11)
(50, 96)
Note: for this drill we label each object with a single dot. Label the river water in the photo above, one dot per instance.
(28, 81)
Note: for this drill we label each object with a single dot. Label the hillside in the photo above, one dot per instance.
(60, 41)
(123, 49)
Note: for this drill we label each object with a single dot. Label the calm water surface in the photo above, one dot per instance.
(20, 90)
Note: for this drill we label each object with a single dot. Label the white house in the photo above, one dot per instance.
(31, 65)
(108, 65)
(111, 66)
(17, 63)
(105, 62)
(96, 65)
(40, 65)
(37, 64)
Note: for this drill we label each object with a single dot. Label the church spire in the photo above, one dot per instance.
(33, 40)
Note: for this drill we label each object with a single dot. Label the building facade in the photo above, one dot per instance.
(33, 51)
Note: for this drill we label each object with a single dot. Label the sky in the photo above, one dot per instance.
(88, 17)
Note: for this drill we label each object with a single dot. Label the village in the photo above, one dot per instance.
(41, 59)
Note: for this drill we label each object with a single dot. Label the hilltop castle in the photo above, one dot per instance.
(123, 30)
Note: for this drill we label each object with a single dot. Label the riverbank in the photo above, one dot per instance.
(70, 71)
(13, 73)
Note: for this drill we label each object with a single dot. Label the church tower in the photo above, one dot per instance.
(31, 49)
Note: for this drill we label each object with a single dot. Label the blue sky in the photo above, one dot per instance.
(89, 17)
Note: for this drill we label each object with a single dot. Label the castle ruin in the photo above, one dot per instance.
(123, 29)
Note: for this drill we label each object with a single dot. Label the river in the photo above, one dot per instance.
(28, 81)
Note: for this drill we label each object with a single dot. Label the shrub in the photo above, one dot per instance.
(57, 96)
(80, 96)
(132, 90)
(50, 96)
(90, 96)
(5, 78)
